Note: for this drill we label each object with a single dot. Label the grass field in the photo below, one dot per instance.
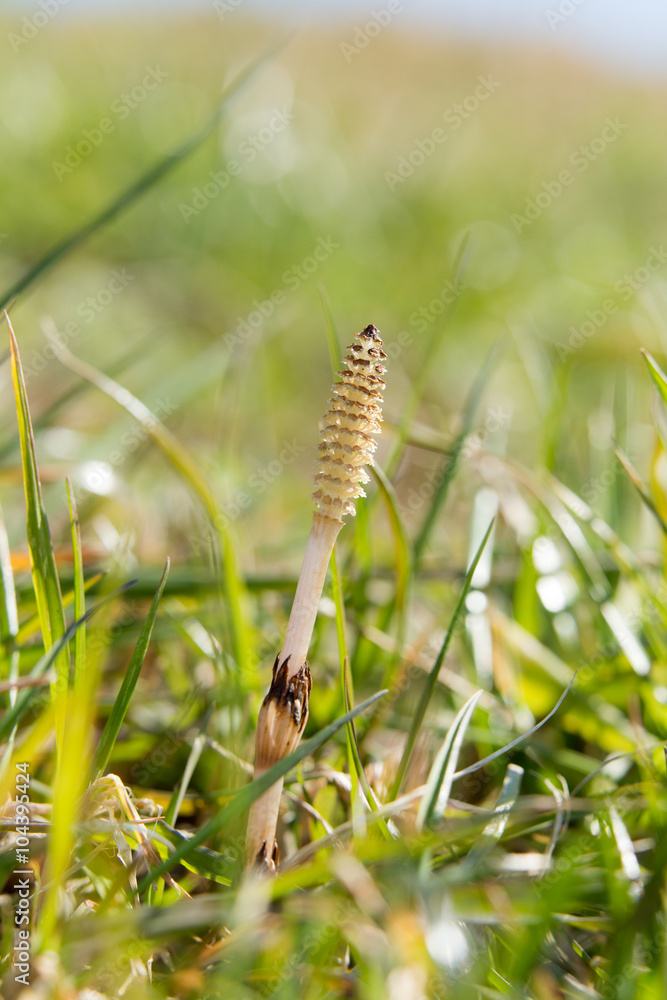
(499, 214)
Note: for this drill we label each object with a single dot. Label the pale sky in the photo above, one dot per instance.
(629, 35)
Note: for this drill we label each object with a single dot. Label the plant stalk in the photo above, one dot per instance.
(346, 447)
(284, 712)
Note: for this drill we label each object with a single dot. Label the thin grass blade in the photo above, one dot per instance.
(42, 559)
(432, 678)
(79, 590)
(122, 702)
(176, 801)
(9, 626)
(515, 743)
(45, 662)
(402, 554)
(441, 776)
(452, 462)
(636, 481)
(657, 374)
(354, 756)
(200, 860)
(335, 352)
(495, 828)
(418, 384)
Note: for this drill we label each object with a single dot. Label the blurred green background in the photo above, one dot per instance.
(87, 106)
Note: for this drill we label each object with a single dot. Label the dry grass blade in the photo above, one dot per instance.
(181, 459)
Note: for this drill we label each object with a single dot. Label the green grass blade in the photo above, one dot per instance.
(495, 828)
(344, 659)
(418, 384)
(452, 462)
(143, 184)
(79, 590)
(354, 756)
(478, 765)
(402, 554)
(176, 801)
(9, 615)
(441, 776)
(31, 626)
(200, 860)
(155, 894)
(71, 777)
(45, 662)
(395, 609)
(335, 352)
(245, 798)
(9, 626)
(43, 564)
(122, 702)
(432, 678)
(42, 559)
(657, 374)
(635, 479)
